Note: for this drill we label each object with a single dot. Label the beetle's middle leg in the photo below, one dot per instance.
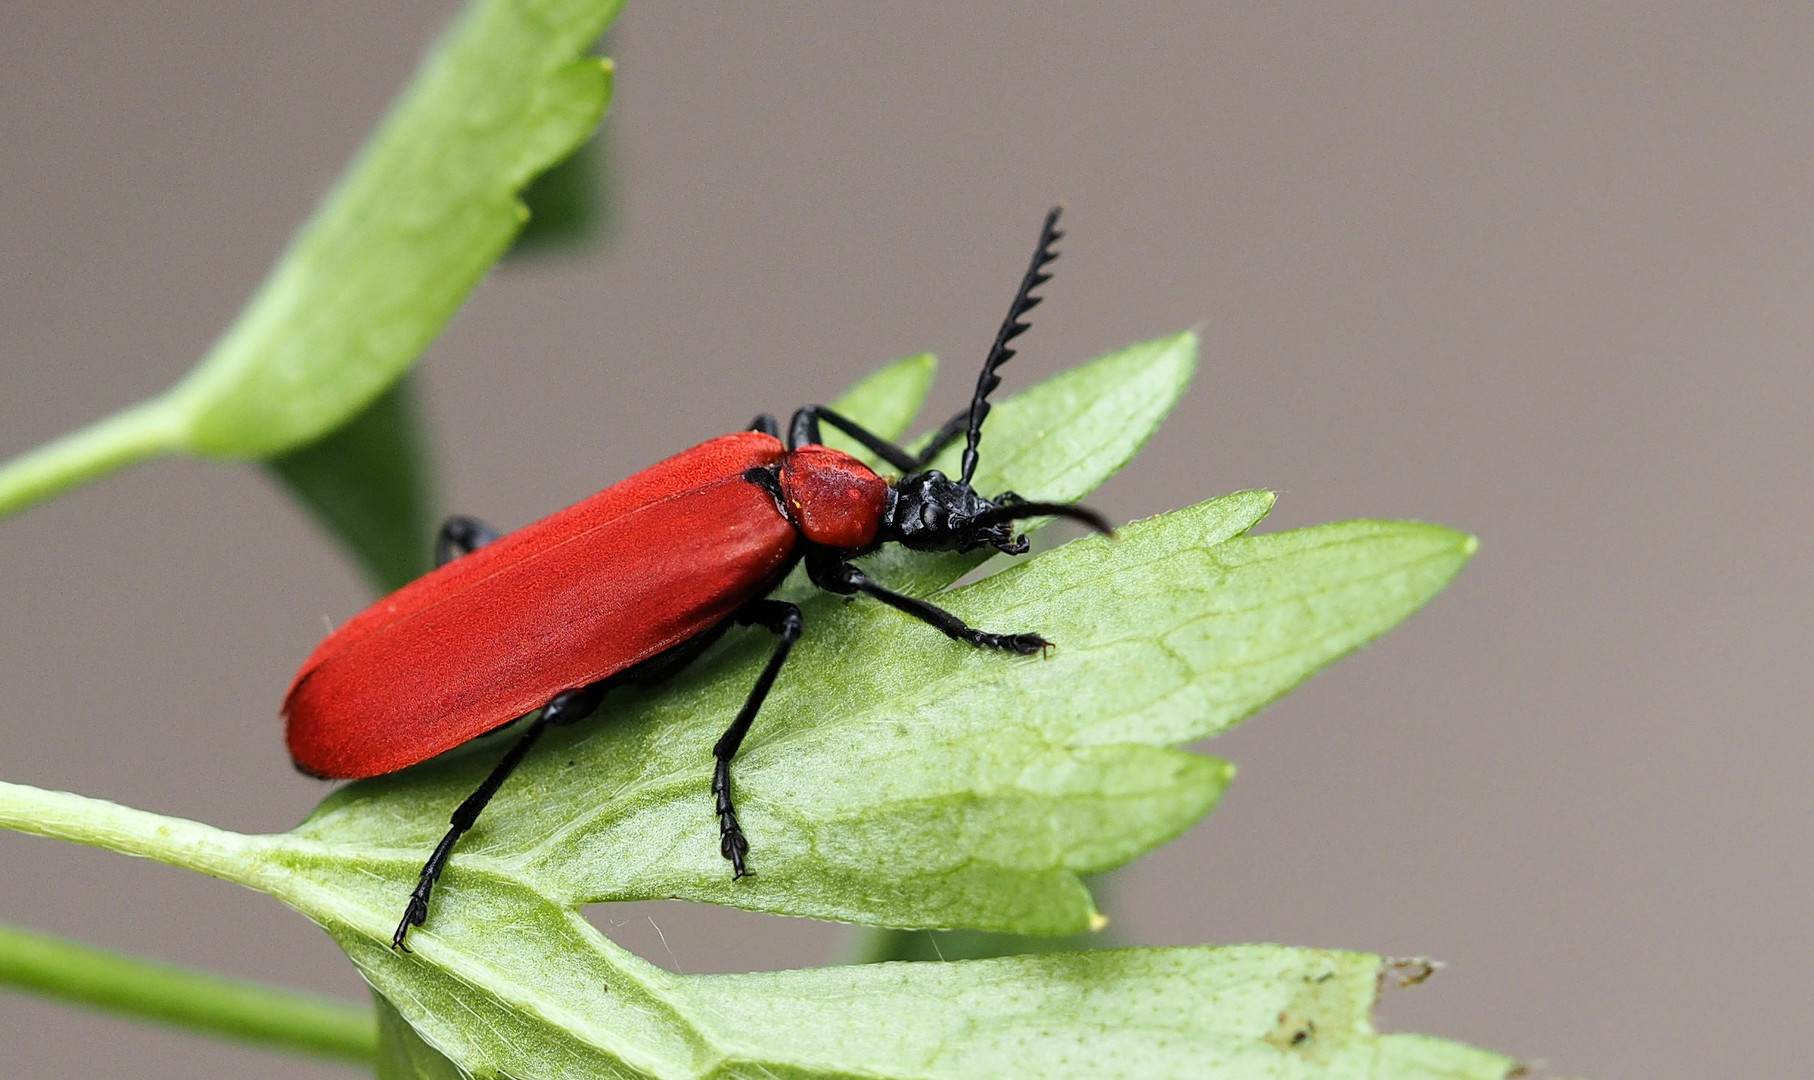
(783, 620)
(565, 708)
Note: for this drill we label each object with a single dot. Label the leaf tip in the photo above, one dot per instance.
(606, 70)
(1441, 538)
(1460, 546)
(1098, 921)
(1181, 350)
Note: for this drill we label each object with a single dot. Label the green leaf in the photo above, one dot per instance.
(876, 944)
(427, 207)
(1250, 1011)
(889, 790)
(1238, 1012)
(894, 778)
(514, 984)
(370, 485)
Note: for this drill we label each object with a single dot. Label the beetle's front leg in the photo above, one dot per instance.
(835, 575)
(784, 621)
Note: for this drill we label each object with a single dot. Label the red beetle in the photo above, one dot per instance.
(632, 584)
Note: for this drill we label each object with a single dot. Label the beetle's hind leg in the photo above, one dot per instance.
(461, 535)
(783, 620)
(565, 708)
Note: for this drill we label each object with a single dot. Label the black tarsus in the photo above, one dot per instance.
(783, 620)
(566, 707)
(765, 423)
(461, 535)
(830, 572)
(1011, 328)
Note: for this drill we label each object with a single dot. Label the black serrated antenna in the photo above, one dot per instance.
(1011, 328)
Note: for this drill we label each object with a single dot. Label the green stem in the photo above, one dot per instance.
(112, 827)
(146, 430)
(209, 1004)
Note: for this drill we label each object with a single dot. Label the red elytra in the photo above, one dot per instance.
(636, 569)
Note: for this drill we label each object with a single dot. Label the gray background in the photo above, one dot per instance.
(1540, 272)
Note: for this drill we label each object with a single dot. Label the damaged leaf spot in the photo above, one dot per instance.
(1320, 1014)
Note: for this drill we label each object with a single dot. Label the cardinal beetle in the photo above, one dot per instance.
(632, 584)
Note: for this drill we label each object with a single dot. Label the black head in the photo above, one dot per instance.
(929, 511)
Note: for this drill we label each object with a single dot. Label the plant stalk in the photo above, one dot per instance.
(197, 1001)
(146, 430)
(98, 823)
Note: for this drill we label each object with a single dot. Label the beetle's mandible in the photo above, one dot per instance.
(632, 584)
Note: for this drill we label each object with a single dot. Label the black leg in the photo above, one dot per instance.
(766, 424)
(834, 575)
(565, 708)
(783, 620)
(804, 431)
(459, 536)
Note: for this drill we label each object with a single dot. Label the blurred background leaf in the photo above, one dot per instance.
(428, 205)
(371, 485)
(573, 206)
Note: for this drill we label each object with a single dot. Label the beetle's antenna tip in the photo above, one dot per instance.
(1012, 327)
